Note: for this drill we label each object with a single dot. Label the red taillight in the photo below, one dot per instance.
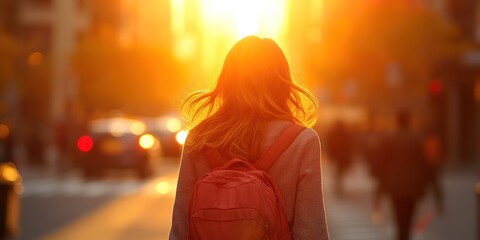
(85, 143)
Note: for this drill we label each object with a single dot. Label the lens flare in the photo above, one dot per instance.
(163, 188)
(174, 125)
(146, 141)
(117, 128)
(137, 128)
(181, 137)
(9, 173)
(4, 131)
(35, 59)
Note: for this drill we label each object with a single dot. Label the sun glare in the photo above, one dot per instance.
(246, 17)
(206, 29)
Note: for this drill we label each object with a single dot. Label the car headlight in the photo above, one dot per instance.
(147, 141)
(181, 137)
(137, 128)
(174, 125)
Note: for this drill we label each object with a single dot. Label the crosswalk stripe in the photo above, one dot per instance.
(74, 186)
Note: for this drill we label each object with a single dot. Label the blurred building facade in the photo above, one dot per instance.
(461, 77)
(48, 32)
(452, 91)
(449, 103)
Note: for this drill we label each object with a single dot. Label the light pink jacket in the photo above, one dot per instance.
(297, 174)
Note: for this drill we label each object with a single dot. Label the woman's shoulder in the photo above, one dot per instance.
(307, 135)
(304, 150)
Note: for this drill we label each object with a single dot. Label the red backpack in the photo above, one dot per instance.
(238, 199)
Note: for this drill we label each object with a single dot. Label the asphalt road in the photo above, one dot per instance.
(118, 206)
(43, 215)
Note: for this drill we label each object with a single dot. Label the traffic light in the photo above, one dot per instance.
(435, 87)
(438, 112)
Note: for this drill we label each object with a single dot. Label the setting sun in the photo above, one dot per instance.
(242, 18)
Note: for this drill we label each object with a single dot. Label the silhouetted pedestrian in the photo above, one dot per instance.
(369, 143)
(340, 150)
(405, 173)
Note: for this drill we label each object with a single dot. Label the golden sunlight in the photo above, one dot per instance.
(163, 188)
(224, 22)
(246, 17)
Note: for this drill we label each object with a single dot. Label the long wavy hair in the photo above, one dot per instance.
(254, 87)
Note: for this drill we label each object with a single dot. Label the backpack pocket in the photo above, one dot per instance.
(234, 224)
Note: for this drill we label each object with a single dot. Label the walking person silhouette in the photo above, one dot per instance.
(339, 142)
(405, 174)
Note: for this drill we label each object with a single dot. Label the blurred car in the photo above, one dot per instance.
(10, 185)
(116, 142)
(10, 190)
(168, 131)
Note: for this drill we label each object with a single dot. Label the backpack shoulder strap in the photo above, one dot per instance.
(286, 138)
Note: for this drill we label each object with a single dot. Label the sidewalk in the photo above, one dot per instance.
(350, 218)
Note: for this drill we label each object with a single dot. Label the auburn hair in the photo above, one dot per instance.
(254, 87)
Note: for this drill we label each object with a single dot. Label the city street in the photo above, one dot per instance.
(122, 207)
(353, 218)
(88, 85)
(118, 206)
